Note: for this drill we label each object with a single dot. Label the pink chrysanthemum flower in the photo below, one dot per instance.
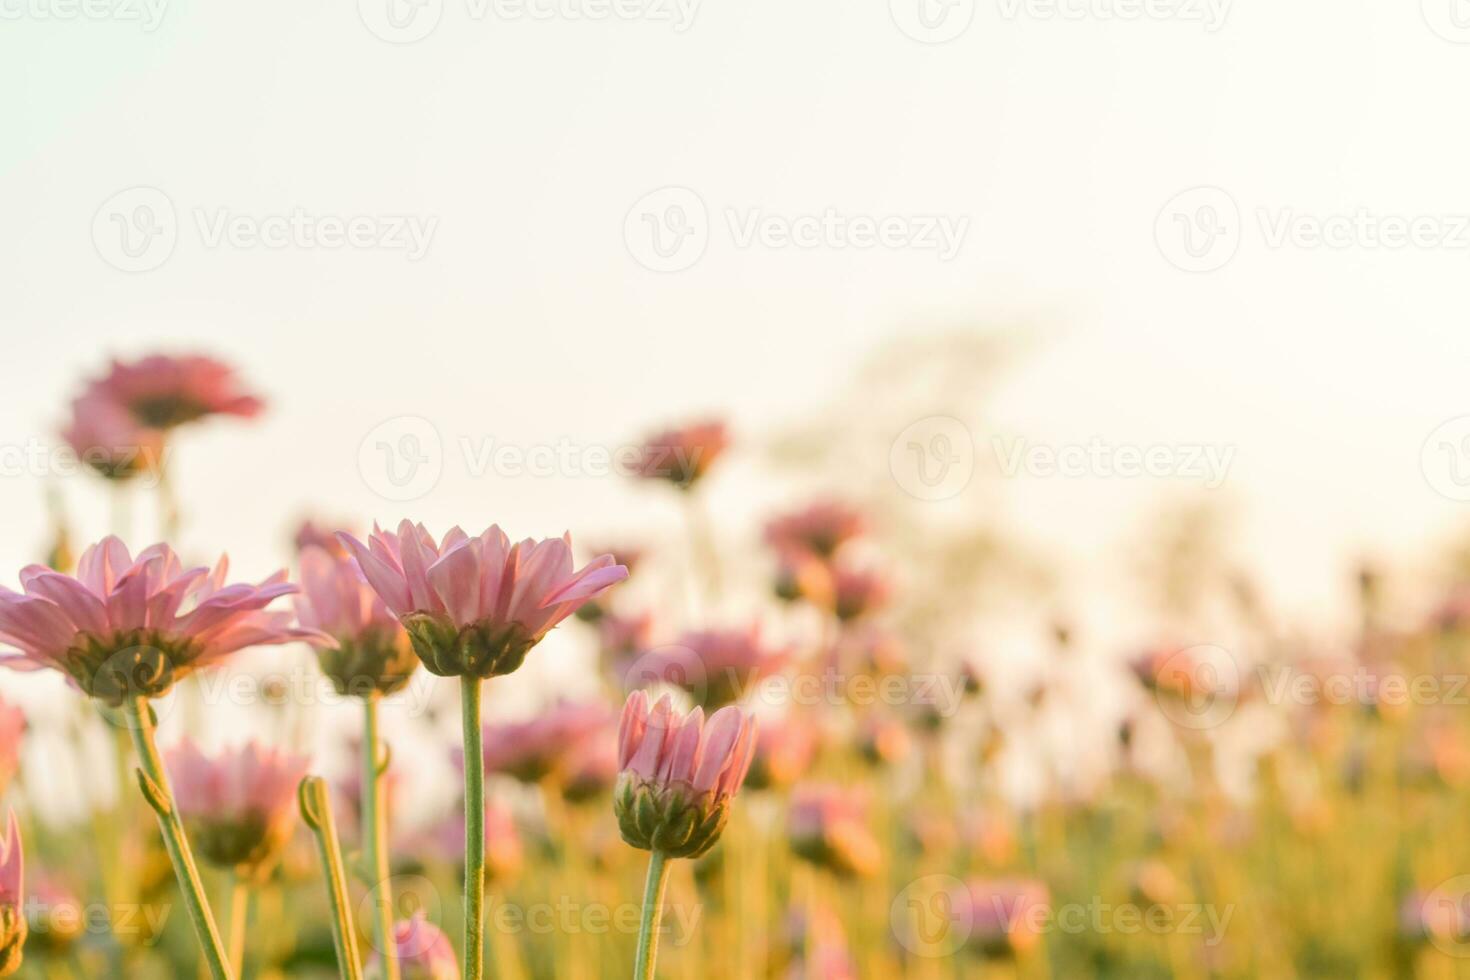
(717, 667)
(682, 456)
(476, 606)
(105, 436)
(818, 529)
(163, 391)
(369, 650)
(424, 951)
(12, 898)
(12, 726)
(679, 774)
(828, 827)
(128, 627)
(238, 806)
(536, 748)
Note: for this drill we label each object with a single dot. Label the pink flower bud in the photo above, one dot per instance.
(239, 807)
(679, 774)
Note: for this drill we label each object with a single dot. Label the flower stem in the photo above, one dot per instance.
(154, 782)
(239, 913)
(375, 837)
(316, 810)
(474, 830)
(644, 967)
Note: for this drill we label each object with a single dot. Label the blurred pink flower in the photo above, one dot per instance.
(784, 750)
(536, 748)
(819, 529)
(162, 391)
(105, 436)
(624, 639)
(238, 806)
(883, 739)
(369, 650)
(504, 852)
(12, 726)
(12, 898)
(682, 456)
(309, 533)
(424, 951)
(116, 629)
(55, 917)
(828, 827)
(716, 667)
(1005, 915)
(590, 769)
(477, 606)
(857, 592)
(679, 774)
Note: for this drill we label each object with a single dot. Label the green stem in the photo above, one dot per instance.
(239, 914)
(375, 838)
(316, 810)
(155, 785)
(474, 831)
(645, 966)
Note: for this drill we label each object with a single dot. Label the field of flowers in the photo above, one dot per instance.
(834, 787)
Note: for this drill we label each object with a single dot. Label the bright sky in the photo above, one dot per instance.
(522, 150)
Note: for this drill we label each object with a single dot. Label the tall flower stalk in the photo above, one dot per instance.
(473, 609)
(673, 796)
(153, 780)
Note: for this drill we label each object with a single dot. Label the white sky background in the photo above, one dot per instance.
(529, 321)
